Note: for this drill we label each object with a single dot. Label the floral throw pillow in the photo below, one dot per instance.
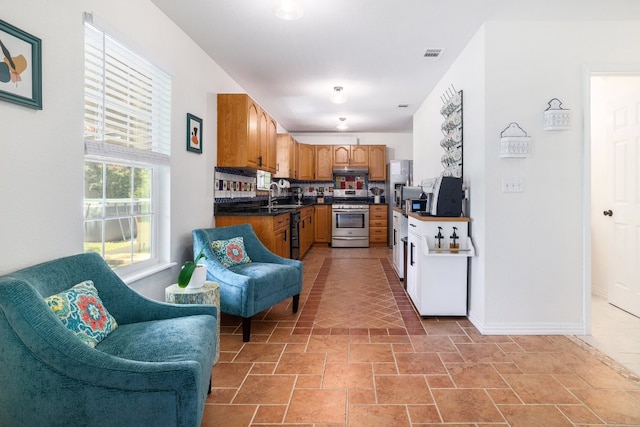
(230, 252)
(81, 310)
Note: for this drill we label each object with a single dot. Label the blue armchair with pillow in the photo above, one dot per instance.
(251, 277)
(79, 347)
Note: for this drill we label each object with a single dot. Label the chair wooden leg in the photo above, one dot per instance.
(296, 301)
(246, 329)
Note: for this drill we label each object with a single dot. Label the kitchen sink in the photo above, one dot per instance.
(276, 208)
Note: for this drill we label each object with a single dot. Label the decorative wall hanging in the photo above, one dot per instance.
(452, 130)
(194, 134)
(556, 117)
(20, 67)
(514, 142)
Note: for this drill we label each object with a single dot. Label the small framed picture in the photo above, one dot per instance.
(194, 134)
(20, 67)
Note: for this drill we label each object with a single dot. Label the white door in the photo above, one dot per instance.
(623, 212)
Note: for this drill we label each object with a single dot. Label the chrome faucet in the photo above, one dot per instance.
(270, 193)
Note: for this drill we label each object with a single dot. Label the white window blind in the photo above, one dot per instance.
(127, 103)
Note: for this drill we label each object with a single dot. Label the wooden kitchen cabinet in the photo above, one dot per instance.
(377, 162)
(351, 155)
(306, 229)
(282, 243)
(324, 163)
(286, 164)
(306, 156)
(271, 143)
(246, 134)
(322, 227)
(273, 231)
(378, 225)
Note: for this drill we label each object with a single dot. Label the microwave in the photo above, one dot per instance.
(416, 205)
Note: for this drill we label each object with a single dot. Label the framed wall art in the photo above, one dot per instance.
(20, 67)
(194, 134)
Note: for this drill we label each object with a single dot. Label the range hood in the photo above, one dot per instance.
(350, 170)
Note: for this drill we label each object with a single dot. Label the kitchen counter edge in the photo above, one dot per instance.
(265, 212)
(435, 218)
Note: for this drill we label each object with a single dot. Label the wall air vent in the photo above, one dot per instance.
(403, 105)
(433, 53)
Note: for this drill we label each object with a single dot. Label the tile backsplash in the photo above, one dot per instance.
(230, 184)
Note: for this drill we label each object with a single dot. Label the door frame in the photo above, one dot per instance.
(590, 70)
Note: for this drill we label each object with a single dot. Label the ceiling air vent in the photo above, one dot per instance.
(433, 53)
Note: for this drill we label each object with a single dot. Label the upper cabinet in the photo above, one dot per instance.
(324, 165)
(246, 134)
(286, 160)
(350, 155)
(248, 139)
(306, 157)
(377, 163)
(272, 143)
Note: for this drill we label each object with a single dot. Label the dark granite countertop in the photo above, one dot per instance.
(256, 209)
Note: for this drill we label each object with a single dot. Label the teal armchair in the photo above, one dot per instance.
(154, 369)
(247, 289)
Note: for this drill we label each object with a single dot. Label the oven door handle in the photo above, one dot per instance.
(350, 210)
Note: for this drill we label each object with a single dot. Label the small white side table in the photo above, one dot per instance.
(207, 294)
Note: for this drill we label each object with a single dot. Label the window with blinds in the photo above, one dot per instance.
(127, 118)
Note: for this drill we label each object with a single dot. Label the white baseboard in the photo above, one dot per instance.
(528, 328)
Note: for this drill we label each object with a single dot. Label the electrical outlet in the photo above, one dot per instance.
(512, 184)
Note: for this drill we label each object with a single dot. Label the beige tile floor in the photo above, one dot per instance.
(356, 354)
(615, 333)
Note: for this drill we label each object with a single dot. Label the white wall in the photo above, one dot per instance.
(41, 155)
(427, 151)
(530, 245)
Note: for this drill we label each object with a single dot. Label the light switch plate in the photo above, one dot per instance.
(512, 184)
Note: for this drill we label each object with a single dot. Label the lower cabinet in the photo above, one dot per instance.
(306, 230)
(273, 231)
(323, 224)
(437, 272)
(378, 225)
(399, 232)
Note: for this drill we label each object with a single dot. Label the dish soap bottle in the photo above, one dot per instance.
(439, 238)
(454, 246)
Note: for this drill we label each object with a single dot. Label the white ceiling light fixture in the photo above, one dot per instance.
(338, 97)
(342, 123)
(288, 9)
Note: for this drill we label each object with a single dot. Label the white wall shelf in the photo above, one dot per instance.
(466, 248)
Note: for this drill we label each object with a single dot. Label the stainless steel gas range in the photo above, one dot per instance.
(350, 219)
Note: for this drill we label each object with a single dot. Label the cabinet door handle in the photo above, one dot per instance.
(259, 160)
(394, 237)
(411, 253)
(285, 235)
